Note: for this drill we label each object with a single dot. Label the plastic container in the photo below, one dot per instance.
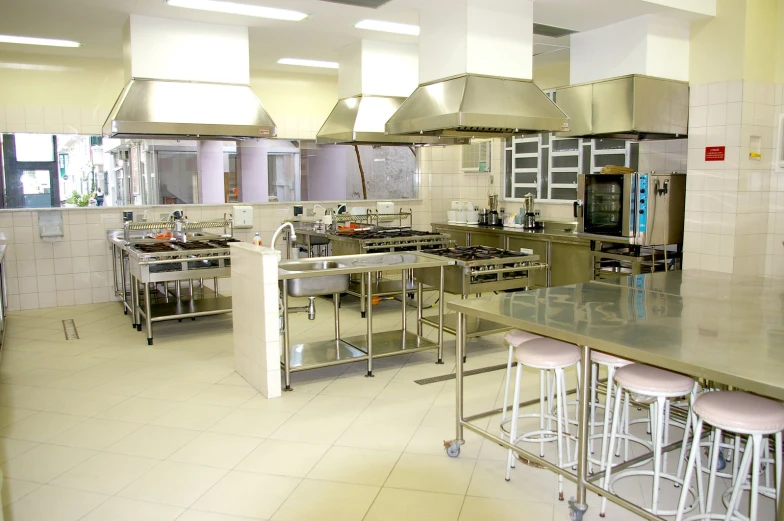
(257, 239)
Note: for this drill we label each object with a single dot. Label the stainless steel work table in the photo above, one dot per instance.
(738, 341)
(372, 345)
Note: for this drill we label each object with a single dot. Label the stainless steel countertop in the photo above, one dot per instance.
(736, 341)
(699, 283)
(363, 263)
(552, 233)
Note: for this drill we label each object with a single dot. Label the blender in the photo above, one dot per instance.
(493, 218)
(529, 219)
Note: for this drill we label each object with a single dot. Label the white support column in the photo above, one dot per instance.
(210, 168)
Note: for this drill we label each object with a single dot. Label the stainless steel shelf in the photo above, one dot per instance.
(475, 326)
(178, 309)
(325, 353)
(392, 343)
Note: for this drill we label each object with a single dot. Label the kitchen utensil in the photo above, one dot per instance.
(461, 217)
(451, 216)
(492, 202)
(483, 214)
(472, 217)
(457, 205)
(493, 218)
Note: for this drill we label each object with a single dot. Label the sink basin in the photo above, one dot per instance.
(316, 285)
(304, 238)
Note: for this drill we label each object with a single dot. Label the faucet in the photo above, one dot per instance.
(318, 206)
(280, 230)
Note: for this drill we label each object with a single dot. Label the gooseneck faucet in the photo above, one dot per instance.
(279, 231)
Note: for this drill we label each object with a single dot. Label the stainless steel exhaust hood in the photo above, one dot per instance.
(472, 105)
(159, 108)
(628, 107)
(360, 120)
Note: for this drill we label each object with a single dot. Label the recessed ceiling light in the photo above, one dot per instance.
(27, 40)
(243, 9)
(308, 63)
(388, 27)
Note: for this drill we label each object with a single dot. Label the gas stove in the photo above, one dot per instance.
(479, 269)
(174, 260)
(386, 240)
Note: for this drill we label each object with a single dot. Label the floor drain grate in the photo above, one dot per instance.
(444, 378)
(70, 330)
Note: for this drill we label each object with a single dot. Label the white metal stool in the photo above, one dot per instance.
(547, 355)
(660, 386)
(513, 339)
(741, 413)
(612, 364)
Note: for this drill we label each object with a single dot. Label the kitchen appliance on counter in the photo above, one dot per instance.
(493, 217)
(476, 270)
(529, 216)
(484, 215)
(643, 209)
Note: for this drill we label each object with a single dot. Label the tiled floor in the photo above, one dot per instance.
(105, 428)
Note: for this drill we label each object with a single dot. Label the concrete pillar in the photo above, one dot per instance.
(253, 171)
(209, 163)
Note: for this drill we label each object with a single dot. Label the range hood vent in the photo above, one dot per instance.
(551, 31)
(628, 107)
(166, 109)
(472, 105)
(360, 120)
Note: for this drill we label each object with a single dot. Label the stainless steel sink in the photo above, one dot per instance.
(312, 286)
(304, 231)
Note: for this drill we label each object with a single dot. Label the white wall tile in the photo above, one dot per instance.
(717, 93)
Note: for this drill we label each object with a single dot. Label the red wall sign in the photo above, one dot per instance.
(714, 153)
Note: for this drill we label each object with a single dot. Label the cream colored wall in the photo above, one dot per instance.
(760, 40)
(552, 75)
(299, 103)
(717, 44)
(780, 43)
(40, 93)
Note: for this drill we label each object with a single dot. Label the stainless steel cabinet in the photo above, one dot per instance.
(570, 263)
(493, 240)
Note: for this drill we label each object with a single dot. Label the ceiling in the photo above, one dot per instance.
(98, 25)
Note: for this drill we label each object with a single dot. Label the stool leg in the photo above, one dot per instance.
(778, 468)
(613, 432)
(755, 472)
(594, 382)
(744, 470)
(561, 418)
(736, 459)
(565, 414)
(657, 430)
(542, 391)
(515, 414)
(686, 426)
(714, 459)
(665, 426)
(626, 414)
(608, 402)
(506, 388)
(693, 455)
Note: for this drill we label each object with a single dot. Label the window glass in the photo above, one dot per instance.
(34, 147)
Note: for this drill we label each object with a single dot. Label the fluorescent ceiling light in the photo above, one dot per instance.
(243, 9)
(27, 40)
(388, 27)
(308, 63)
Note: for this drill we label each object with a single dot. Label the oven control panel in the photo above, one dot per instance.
(642, 204)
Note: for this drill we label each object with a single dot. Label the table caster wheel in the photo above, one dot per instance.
(138, 327)
(125, 312)
(149, 341)
(364, 314)
(452, 448)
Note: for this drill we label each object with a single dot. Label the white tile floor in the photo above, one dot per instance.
(105, 428)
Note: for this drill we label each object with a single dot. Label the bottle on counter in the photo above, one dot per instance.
(257, 239)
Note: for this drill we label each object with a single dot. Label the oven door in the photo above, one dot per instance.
(608, 204)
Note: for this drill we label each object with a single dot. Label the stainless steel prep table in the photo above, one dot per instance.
(372, 345)
(738, 341)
